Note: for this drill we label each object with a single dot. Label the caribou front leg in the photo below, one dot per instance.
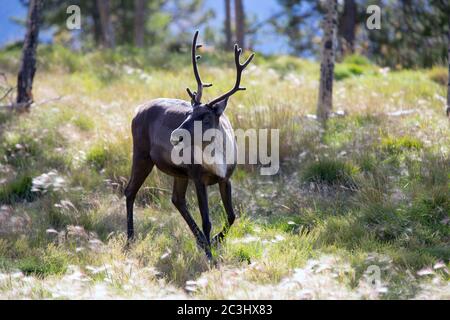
(225, 193)
(179, 200)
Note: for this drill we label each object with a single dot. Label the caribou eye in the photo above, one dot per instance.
(207, 119)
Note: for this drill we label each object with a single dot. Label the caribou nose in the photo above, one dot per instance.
(175, 139)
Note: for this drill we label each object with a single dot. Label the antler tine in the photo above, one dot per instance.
(239, 69)
(190, 93)
(196, 96)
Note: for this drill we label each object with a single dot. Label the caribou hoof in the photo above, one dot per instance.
(209, 255)
(206, 247)
(217, 240)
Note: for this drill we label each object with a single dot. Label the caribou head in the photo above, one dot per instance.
(208, 114)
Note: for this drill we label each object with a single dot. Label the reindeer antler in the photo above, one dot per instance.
(197, 96)
(239, 68)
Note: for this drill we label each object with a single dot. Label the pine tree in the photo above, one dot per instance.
(325, 101)
(240, 22)
(28, 62)
(448, 61)
(227, 25)
(108, 38)
(140, 15)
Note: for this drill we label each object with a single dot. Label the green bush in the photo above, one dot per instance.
(431, 206)
(439, 75)
(5, 117)
(332, 172)
(395, 145)
(20, 144)
(97, 156)
(60, 56)
(344, 71)
(386, 221)
(18, 189)
(367, 162)
(243, 255)
(105, 64)
(10, 58)
(28, 148)
(357, 59)
(83, 123)
(282, 64)
(416, 226)
(113, 157)
(51, 261)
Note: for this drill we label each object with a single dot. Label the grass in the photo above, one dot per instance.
(49, 262)
(354, 66)
(400, 144)
(333, 172)
(370, 190)
(16, 190)
(439, 75)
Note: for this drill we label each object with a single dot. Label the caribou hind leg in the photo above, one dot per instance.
(141, 168)
(179, 201)
(225, 193)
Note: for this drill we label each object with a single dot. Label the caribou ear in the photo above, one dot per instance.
(220, 106)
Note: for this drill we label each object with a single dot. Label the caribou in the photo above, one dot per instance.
(156, 130)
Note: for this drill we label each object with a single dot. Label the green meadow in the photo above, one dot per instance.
(368, 195)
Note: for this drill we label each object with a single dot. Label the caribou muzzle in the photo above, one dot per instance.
(176, 138)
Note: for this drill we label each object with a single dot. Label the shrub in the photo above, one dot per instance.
(286, 64)
(431, 206)
(10, 57)
(113, 157)
(20, 144)
(357, 59)
(245, 252)
(32, 146)
(396, 145)
(97, 156)
(343, 71)
(83, 122)
(387, 222)
(18, 189)
(5, 117)
(367, 162)
(57, 55)
(51, 261)
(439, 75)
(331, 172)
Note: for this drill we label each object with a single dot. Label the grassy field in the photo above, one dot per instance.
(369, 195)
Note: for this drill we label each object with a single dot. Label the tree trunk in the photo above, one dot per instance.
(448, 83)
(28, 63)
(325, 101)
(348, 27)
(97, 27)
(140, 15)
(240, 22)
(227, 27)
(105, 20)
